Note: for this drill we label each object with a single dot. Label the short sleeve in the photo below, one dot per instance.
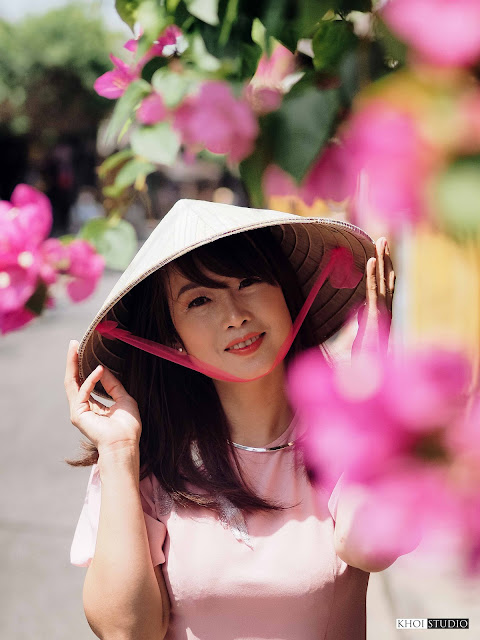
(334, 496)
(85, 536)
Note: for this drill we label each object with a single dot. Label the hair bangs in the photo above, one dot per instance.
(236, 256)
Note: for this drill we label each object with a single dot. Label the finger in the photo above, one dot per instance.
(98, 406)
(89, 385)
(391, 288)
(371, 286)
(113, 386)
(380, 270)
(72, 382)
(389, 278)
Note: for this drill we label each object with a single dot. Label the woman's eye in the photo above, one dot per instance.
(198, 302)
(251, 280)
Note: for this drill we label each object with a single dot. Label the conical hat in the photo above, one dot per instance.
(193, 223)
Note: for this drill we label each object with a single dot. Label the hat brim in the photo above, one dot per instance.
(305, 241)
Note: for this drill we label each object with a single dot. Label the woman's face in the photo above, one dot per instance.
(211, 321)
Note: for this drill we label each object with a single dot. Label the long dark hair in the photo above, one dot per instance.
(179, 406)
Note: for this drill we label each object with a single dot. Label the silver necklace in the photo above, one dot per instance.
(262, 449)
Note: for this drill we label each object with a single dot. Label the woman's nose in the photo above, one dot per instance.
(236, 314)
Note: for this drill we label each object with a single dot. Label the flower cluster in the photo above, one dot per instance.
(265, 90)
(30, 261)
(452, 37)
(402, 430)
(113, 84)
(390, 157)
(208, 117)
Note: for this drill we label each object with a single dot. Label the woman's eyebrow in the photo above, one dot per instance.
(196, 285)
(187, 287)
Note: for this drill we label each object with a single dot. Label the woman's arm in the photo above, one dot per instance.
(123, 596)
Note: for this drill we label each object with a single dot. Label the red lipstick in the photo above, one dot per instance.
(248, 349)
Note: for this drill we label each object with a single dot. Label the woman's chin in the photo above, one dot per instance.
(248, 368)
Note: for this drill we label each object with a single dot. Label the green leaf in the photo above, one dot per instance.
(301, 127)
(251, 54)
(201, 57)
(127, 10)
(173, 87)
(311, 13)
(129, 173)
(125, 107)
(395, 50)
(67, 238)
(457, 195)
(361, 66)
(331, 41)
(343, 6)
(153, 20)
(114, 239)
(259, 33)
(113, 161)
(251, 172)
(172, 5)
(229, 18)
(153, 65)
(159, 143)
(206, 10)
(37, 301)
(273, 17)
(111, 191)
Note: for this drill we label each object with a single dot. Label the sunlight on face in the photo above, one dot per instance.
(209, 319)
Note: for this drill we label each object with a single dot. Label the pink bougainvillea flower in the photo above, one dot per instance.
(263, 99)
(13, 320)
(55, 260)
(36, 212)
(441, 32)
(380, 164)
(435, 381)
(407, 504)
(437, 384)
(266, 88)
(469, 112)
(216, 120)
(113, 84)
(86, 268)
(25, 221)
(28, 258)
(329, 178)
(419, 459)
(170, 42)
(18, 278)
(152, 110)
(272, 71)
(277, 182)
(388, 162)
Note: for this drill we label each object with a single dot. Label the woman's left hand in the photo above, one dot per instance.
(375, 317)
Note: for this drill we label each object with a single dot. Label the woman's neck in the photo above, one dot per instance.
(257, 412)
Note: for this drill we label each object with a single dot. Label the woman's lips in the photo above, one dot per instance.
(248, 349)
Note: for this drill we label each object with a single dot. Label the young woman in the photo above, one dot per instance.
(200, 520)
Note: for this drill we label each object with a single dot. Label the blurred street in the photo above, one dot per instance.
(41, 499)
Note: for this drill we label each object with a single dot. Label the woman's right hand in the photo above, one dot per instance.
(106, 427)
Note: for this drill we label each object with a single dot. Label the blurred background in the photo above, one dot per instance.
(53, 137)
